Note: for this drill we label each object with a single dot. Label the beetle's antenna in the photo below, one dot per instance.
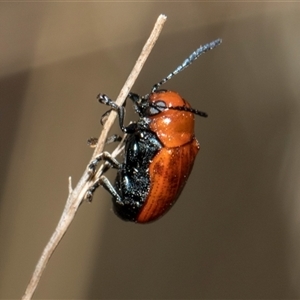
(187, 62)
(190, 109)
(185, 108)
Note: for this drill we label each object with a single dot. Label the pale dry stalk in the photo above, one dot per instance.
(77, 194)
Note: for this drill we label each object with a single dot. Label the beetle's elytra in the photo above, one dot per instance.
(160, 150)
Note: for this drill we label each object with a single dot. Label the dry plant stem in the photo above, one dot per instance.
(77, 194)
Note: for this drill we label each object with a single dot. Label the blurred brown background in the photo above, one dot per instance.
(234, 232)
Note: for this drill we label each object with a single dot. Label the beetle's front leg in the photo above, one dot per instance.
(102, 98)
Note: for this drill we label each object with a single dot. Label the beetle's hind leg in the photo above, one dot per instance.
(106, 156)
(103, 181)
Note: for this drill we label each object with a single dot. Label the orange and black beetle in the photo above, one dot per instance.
(160, 150)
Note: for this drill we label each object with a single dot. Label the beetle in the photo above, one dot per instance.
(160, 149)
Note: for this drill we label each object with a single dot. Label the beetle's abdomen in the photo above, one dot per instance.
(169, 171)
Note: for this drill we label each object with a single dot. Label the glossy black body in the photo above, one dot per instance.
(133, 179)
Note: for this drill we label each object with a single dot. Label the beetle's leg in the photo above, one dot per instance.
(106, 156)
(113, 138)
(92, 142)
(134, 97)
(103, 181)
(105, 116)
(102, 98)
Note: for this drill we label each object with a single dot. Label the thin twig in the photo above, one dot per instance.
(77, 194)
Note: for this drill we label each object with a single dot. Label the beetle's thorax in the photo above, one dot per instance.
(173, 127)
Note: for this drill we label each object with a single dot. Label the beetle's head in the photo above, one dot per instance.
(159, 101)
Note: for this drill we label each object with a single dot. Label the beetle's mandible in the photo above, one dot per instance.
(160, 149)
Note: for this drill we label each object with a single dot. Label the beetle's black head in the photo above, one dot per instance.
(159, 101)
(145, 107)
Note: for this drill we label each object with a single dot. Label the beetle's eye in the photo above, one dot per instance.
(156, 107)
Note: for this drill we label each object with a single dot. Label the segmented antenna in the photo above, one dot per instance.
(187, 62)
